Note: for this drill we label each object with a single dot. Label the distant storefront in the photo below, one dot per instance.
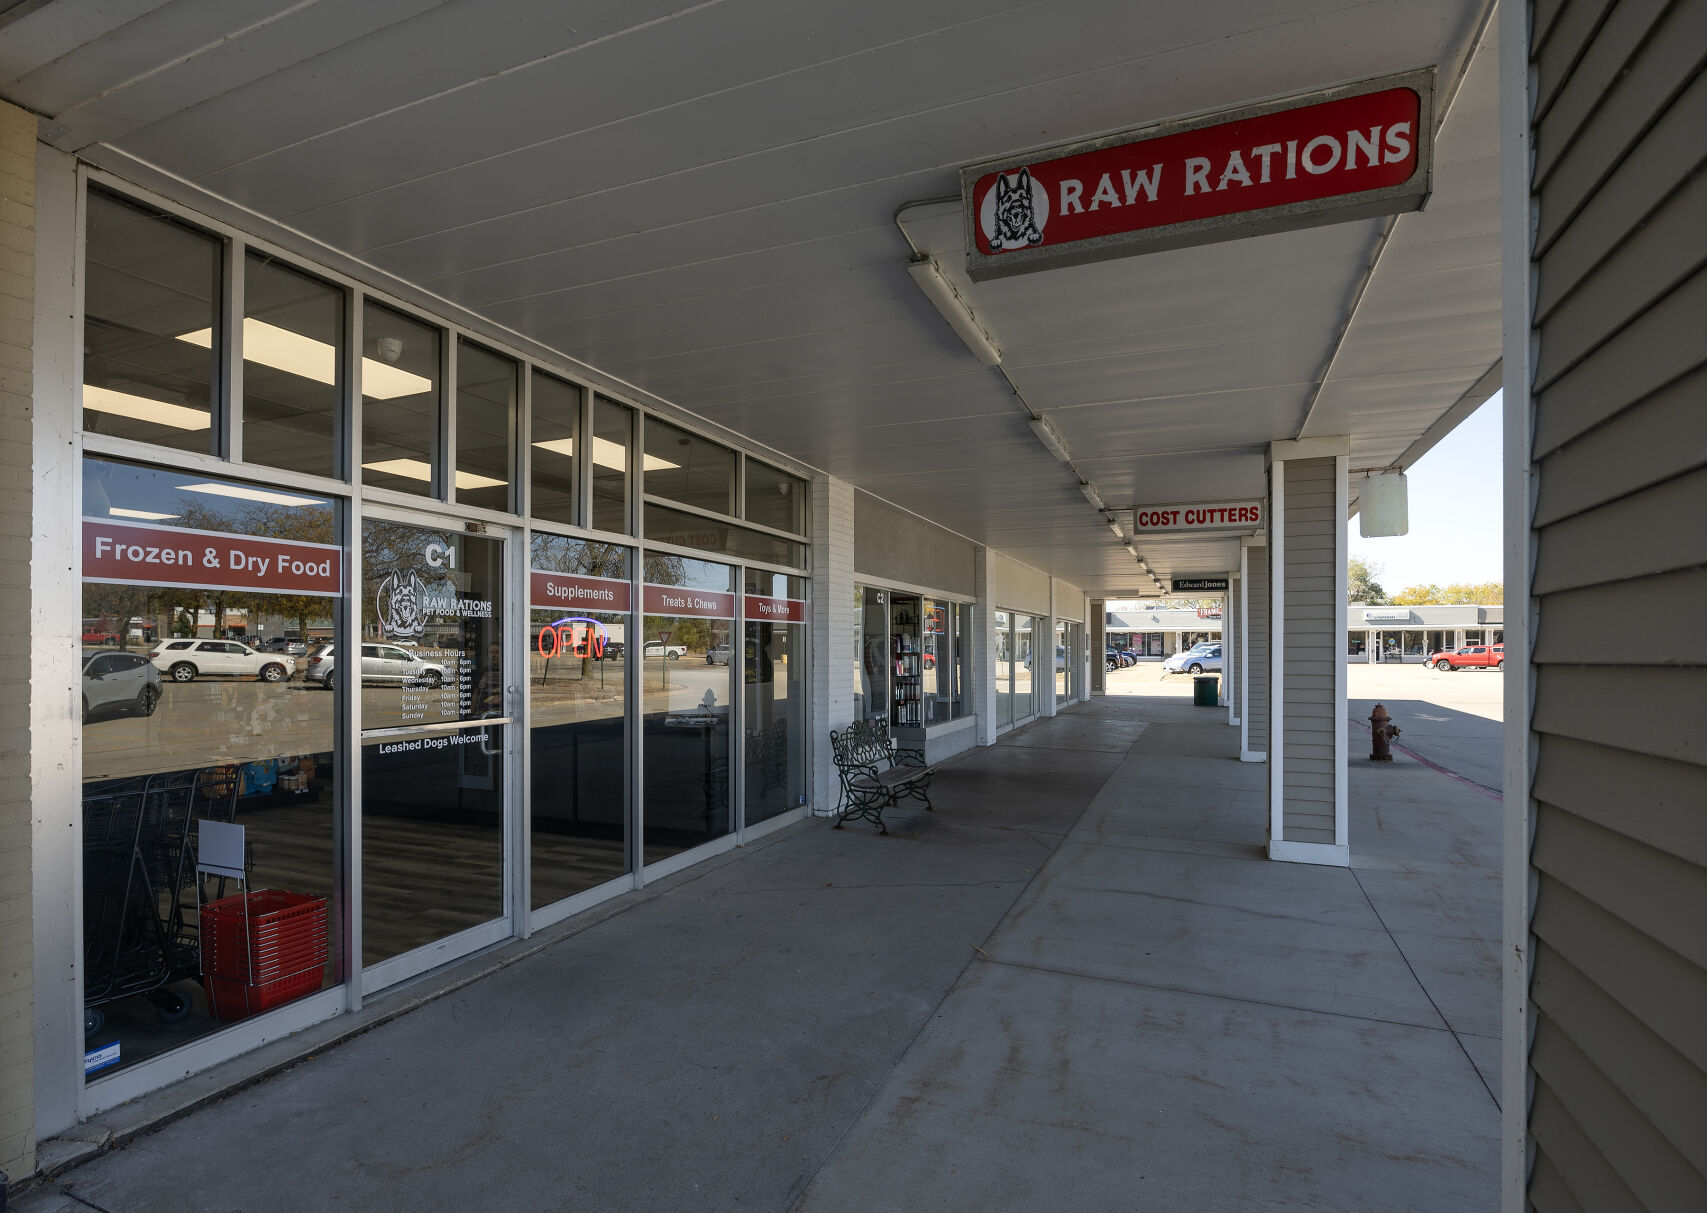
(1153, 635)
(1409, 634)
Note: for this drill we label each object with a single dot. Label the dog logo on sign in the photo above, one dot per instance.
(399, 606)
(1014, 212)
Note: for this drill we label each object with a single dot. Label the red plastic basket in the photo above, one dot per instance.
(231, 1000)
(262, 949)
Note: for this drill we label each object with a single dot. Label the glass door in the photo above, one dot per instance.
(436, 692)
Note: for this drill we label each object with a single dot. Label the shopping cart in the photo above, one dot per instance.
(140, 885)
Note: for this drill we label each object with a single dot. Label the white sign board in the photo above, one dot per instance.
(1198, 516)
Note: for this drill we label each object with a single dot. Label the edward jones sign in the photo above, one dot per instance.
(1327, 157)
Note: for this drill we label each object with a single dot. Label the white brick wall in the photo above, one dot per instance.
(834, 648)
(17, 323)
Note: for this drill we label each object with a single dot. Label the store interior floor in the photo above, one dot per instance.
(1077, 983)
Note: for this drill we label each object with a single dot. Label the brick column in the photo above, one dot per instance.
(17, 385)
(834, 649)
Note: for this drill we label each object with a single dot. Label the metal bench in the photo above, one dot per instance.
(875, 773)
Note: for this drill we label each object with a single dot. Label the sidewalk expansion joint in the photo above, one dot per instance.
(1075, 975)
(1456, 1037)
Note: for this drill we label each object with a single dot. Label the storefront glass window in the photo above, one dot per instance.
(1025, 678)
(577, 667)
(687, 468)
(400, 402)
(1004, 668)
(1413, 644)
(1355, 643)
(871, 697)
(293, 368)
(486, 387)
(1063, 660)
(775, 499)
(150, 327)
(681, 529)
(774, 681)
(556, 409)
(192, 725)
(686, 696)
(936, 639)
(613, 435)
(432, 676)
(962, 646)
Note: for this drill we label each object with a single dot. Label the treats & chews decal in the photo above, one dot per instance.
(1338, 154)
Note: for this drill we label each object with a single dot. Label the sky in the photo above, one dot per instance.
(1456, 512)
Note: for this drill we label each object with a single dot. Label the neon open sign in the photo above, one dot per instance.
(573, 636)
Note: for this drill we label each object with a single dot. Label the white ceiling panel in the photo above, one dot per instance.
(700, 199)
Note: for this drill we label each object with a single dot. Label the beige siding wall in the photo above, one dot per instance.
(17, 322)
(1257, 713)
(1313, 536)
(1619, 861)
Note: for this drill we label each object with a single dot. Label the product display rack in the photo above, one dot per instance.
(906, 695)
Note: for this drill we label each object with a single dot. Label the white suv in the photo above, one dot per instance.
(187, 660)
(382, 664)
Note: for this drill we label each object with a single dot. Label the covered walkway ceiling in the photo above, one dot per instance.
(701, 199)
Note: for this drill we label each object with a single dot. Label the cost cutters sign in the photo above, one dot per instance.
(1198, 516)
(133, 554)
(1326, 157)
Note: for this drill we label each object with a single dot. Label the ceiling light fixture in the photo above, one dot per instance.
(1051, 438)
(940, 291)
(415, 469)
(141, 408)
(244, 493)
(1091, 494)
(1114, 525)
(291, 352)
(608, 454)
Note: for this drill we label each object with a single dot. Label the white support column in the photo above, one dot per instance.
(1254, 708)
(1231, 635)
(1043, 660)
(980, 664)
(1096, 641)
(1307, 728)
(834, 655)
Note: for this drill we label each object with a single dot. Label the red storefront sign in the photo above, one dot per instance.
(700, 604)
(137, 554)
(777, 610)
(548, 591)
(1197, 516)
(1339, 154)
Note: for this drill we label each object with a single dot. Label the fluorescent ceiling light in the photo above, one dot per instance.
(1091, 494)
(141, 408)
(145, 515)
(607, 454)
(249, 494)
(415, 469)
(947, 300)
(1114, 525)
(306, 358)
(1050, 438)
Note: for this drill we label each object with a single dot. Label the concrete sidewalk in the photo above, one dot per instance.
(1077, 983)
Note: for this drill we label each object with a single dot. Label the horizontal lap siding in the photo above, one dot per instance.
(1313, 644)
(1619, 983)
(1256, 673)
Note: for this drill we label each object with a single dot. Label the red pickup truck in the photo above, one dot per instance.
(1471, 656)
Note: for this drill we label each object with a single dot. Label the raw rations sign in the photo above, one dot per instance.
(1326, 157)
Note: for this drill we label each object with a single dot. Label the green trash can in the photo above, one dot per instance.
(1206, 691)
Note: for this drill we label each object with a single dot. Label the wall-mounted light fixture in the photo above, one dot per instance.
(947, 300)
